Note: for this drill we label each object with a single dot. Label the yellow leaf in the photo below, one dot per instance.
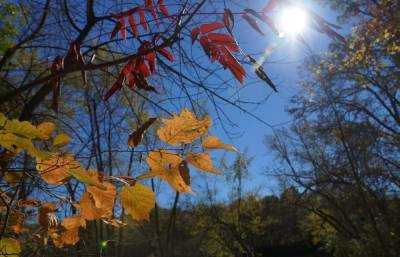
(55, 170)
(88, 209)
(15, 144)
(138, 200)
(165, 165)
(183, 128)
(9, 247)
(90, 177)
(61, 140)
(22, 129)
(212, 143)
(202, 162)
(46, 129)
(3, 119)
(104, 199)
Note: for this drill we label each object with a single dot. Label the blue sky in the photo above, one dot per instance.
(282, 67)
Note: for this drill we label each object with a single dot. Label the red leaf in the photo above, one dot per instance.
(117, 27)
(142, 18)
(117, 86)
(206, 45)
(123, 28)
(270, 24)
(235, 67)
(56, 94)
(252, 22)
(205, 28)
(151, 60)
(132, 80)
(221, 38)
(270, 6)
(128, 12)
(132, 22)
(195, 33)
(149, 5)
(142, 68)
(74, 51)
(166, 54)
(57, 65)
(229, 20)
(223, 61)
(163, 9)
(231, 47)
(128, 68)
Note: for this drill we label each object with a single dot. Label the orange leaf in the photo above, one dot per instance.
(104, 199)
(74, 221)
(212, 143)
(88, 209)
(166, 165)
(183, 128)
(202, 161)
(55, 170)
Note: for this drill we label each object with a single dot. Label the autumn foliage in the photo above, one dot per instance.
(56, 166)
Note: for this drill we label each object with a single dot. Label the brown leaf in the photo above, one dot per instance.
(135, 138)
(46, 215)
(28, 203)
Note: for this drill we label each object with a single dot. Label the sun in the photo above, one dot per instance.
(292, 21)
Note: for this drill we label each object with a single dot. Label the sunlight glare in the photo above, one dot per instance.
(293, 21)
